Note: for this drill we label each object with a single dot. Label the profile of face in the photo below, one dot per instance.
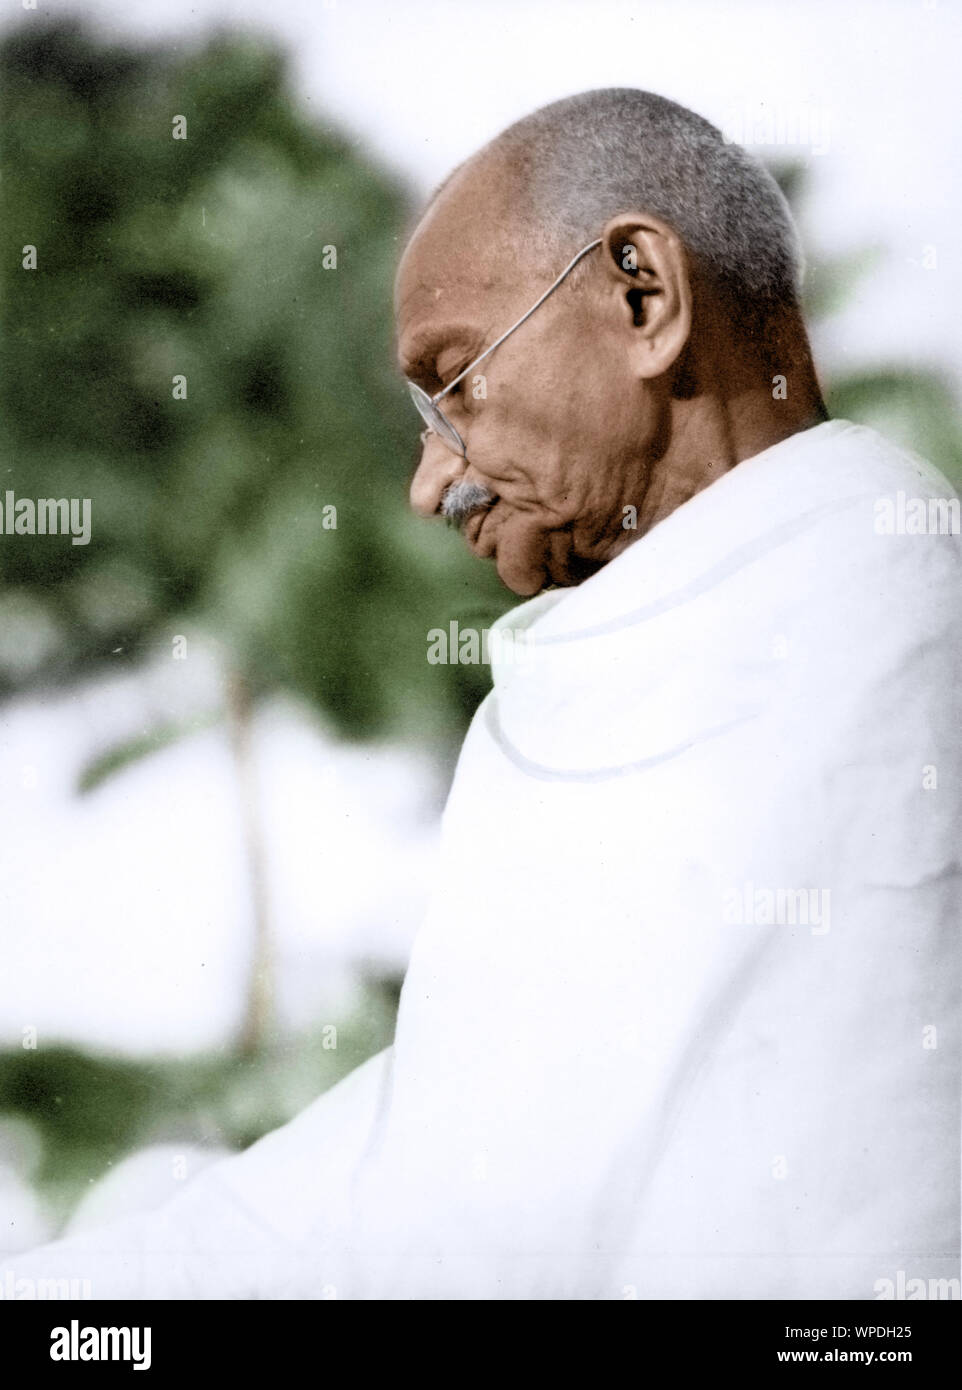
(563, 421)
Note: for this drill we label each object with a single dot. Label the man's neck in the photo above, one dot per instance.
(710, 435)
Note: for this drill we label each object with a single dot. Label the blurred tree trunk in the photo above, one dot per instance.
(259, 1005)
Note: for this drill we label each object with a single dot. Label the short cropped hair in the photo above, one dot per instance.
(578, 162)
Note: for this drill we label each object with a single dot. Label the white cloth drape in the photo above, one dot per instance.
(683, 1018)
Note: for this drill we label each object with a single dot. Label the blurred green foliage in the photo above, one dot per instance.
(205, 257)
(93, 1110)
(916, 407)
(208, 257)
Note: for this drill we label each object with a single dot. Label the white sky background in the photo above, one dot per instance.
(425, 82)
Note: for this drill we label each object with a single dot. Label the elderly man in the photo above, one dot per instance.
(683, 1017)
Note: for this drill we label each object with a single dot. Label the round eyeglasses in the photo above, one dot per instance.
(428, 408)
(435, 419)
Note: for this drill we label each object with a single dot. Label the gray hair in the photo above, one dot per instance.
(462, 499)
(578, 162)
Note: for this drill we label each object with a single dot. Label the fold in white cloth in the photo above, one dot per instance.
(683, 1018)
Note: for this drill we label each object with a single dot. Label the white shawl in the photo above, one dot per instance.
(683, 1018)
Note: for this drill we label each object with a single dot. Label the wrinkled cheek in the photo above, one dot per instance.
(513, 463)
(523, 448)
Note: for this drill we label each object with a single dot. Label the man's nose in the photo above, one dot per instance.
(437, 470)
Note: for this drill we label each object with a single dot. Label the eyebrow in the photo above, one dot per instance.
(426, 347)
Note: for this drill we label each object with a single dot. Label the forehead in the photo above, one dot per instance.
(456, 272)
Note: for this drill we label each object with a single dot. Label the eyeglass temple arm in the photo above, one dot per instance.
(537, 305)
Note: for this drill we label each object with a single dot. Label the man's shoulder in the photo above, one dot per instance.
(858, 457)
(890, 512)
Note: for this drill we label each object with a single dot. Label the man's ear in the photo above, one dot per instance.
(649, 271)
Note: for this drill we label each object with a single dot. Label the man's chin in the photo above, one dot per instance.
(527, 580)
(523, 583)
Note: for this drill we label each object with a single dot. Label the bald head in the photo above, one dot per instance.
(645, 375)
(568, 166)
